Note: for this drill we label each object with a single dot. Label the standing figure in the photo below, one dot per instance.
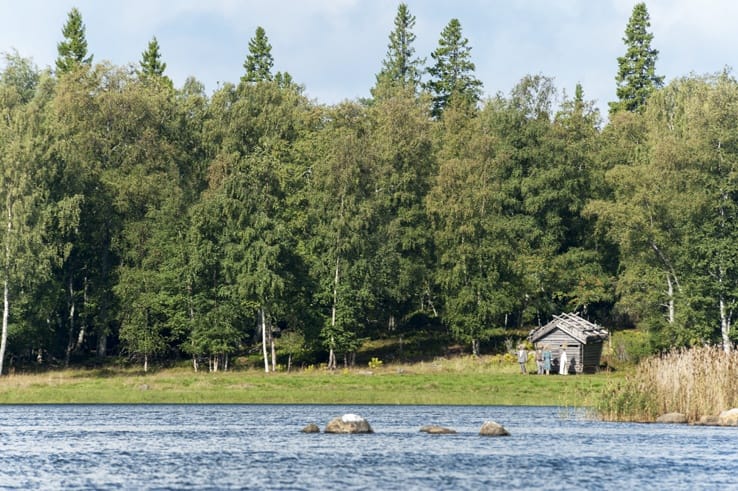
(522, 359)
(539, 360)
(563, 361)
(546, 360)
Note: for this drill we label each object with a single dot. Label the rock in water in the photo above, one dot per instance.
(729, 417)
(311, 428)
(674, 418)
(348, 423)
(490, 428)
(437, 430)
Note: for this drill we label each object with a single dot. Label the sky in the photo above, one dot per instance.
(334, 48)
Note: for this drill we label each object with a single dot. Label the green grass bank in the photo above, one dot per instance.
(463, 381)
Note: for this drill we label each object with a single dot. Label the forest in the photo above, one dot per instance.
(154, 224)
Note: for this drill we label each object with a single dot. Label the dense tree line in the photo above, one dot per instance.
(161, 223)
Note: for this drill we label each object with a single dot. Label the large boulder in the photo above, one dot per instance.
(490, 428)
(672, 418)
(348, 423)
(437, 430)
(729, 417)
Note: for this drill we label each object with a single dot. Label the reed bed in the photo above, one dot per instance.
(695, 382)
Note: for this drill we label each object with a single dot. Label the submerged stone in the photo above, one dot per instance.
(311, 428)
(437, 430)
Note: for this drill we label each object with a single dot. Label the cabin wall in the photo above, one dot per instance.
(555, 339)
(591, 356)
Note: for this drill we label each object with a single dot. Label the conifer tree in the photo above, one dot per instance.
(259, 61)
(452, 75)
(151, 64)
(636, 78)
(73, 50)
(400, 68)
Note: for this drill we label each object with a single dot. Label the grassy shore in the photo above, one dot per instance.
(460, 381)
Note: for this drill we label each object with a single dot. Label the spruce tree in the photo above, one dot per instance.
(73, 50)
(636, 78)
(400, 68)
(151, 64)
(259, 61)
(452, 75)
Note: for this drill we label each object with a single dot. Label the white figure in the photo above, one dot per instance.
(563, 362)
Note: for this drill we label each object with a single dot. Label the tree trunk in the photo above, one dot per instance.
(331, 356)
(70, 326)
(102, 343)
(274, 358)
(725, 322)
(82, 327)
(334, 307)
(670, 293)
(6, 312)
(102, 327)
(264, 340)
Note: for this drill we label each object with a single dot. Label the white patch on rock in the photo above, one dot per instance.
(351, 418)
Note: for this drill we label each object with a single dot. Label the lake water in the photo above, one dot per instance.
(261, 447)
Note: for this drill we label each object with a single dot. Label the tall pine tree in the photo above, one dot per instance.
(259, 61)
(73, 50)
(400, 68)
(636, 78)
(452, 75)
(151, 64)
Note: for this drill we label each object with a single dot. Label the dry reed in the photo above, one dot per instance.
(695, 382)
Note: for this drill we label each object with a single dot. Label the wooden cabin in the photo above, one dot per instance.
(583, 341)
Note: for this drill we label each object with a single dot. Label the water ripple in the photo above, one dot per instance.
(161, 447)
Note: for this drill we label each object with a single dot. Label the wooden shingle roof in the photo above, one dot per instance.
(580, 329)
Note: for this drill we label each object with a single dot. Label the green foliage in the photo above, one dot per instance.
(259, 61)
(452, 73)
(400, 68)
(151, 64)
(73, 49)
(21, 75)
(636, 78)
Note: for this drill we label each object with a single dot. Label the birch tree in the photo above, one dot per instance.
(693, 129)
(476, 240)
(403, 166)
(341, 214)
(25, 205)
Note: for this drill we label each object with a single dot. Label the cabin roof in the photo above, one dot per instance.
(580, 329)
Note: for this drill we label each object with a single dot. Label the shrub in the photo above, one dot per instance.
(375, 363)
(627, 347)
